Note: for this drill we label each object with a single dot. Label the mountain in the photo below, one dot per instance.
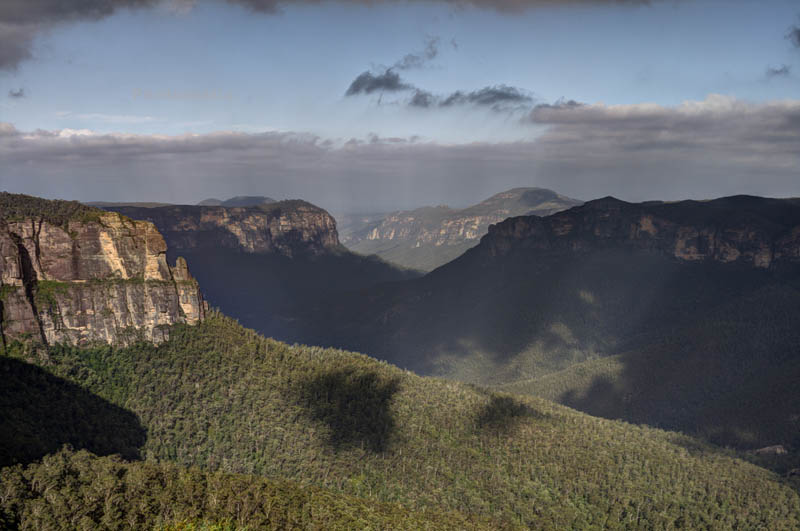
(73, 273)
(238, 201)
(342, 437)
(285, 227)
(429, 237)
(142, 204)
(264, 264)
(681, 315)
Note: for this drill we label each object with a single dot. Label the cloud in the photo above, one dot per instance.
(778, 71)
(16, 42)
(497, 97)
(16, 94)
(22, 20)
(698, 149)
(419, 59)
(794, 36)
(367, 83)
(422, 98)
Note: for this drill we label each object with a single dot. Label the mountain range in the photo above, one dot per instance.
(681, 315)
(428, 237)
(671, 315)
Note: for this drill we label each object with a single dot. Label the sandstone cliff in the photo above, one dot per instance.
(74, 274)
(287, 228)
(428, 237)
(754, 231)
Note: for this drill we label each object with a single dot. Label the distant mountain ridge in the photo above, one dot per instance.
(706, 291)
(429, 237)
(238, 201)
(756, 231)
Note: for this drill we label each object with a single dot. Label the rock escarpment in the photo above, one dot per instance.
(428, 237)
(74, 274)
(754, 231)
(287, 228)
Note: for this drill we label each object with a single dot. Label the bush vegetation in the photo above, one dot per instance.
(18, 207)
(222, 399)
(78, 490)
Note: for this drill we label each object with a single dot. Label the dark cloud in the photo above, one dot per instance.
(367, 83)
(794, 36)
(419, 59)
(498, 97)
(44, 11)
(422, 98)
(22, 20)
(16, 42)
(19, 93)
(778, 71)
(718, 146)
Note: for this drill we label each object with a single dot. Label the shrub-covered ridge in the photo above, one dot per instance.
(222, 398)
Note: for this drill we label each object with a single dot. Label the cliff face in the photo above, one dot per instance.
(755, 231)
(446, 226)
(287, 228)
(428, 237)
(104, 278)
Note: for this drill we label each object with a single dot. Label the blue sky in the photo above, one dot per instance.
(221, 67)
(217, 67)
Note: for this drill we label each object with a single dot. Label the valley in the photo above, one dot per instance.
(677, 316)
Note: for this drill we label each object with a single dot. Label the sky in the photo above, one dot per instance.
(374, 106)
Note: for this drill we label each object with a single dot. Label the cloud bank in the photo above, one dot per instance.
(699, 149)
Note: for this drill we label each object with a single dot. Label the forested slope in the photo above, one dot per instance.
(221, 398)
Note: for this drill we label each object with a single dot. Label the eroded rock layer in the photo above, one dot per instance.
(287, 228)
(102, 277)
(753, 231)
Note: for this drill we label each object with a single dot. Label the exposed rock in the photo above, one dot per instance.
(104, 280)
(755, 231)
(776, 449)
(287, 228)
(443, 231)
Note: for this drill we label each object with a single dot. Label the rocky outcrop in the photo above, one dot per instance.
(287, 228)
(758, 232)
(104, 278)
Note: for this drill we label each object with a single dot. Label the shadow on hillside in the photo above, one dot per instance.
(503, 415)
(272, 293)
(354, 404)
(40, 412)
(729, 378)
